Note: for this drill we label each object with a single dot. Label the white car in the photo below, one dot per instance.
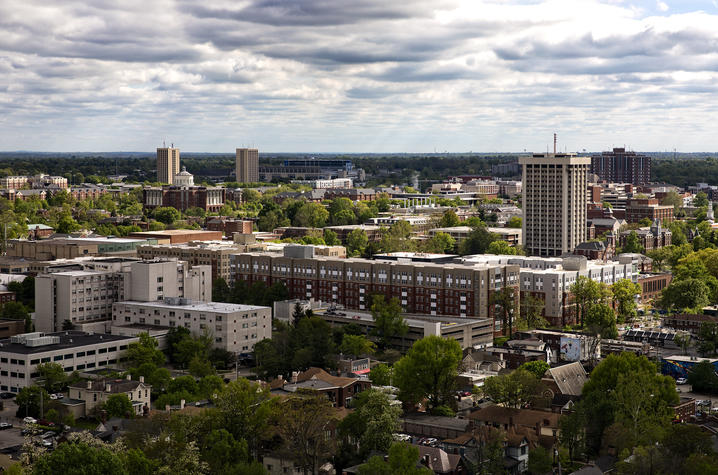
(681, 381)
(30, 420)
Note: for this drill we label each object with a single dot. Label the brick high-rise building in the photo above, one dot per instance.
(247, 165)
(619, 166)
(168, 164)
(554, 202)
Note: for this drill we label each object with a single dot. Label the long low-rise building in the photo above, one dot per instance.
(451, 289)
(234, 327)
(73, 350)
(469, 332)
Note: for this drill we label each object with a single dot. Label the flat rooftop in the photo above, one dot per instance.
(216, 307)
(689, 359)
(68, 340)
(173, 232)
(411, 320)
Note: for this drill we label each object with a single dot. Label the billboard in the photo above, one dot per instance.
(570, 349)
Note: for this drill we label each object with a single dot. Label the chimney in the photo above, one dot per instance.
(167, 407)
(142, 379)
(129, 377)
(89, 385)
(554, 143)
(295, 375)
(108, 388)
(182, 402)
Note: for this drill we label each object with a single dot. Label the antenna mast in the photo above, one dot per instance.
(554, 143)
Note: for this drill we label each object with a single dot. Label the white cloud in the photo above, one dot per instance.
(354, 75)
(662, 6)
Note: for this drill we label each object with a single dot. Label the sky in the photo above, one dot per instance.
(358, 75)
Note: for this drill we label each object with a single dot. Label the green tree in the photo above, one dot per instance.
(312, 215)
(531, 310)
(449, 220)
(166, 215)
(16, 311)
(52, 375)
(514, 389)
(428, 371)
(403, 460)
(514, 222)
(380, 375)
(478, 241)
(118, 405)
(388, 322)
(440, 243)
(82, 459)
(673, 199)
(633, 244)
(624, 294)
(537, 368)
(28, 401)
(700, 200)
(702, 377)
(489, 450)
(500, 247)
(373, 422)
(599, 322)
(572, 429)
(600, 393)
(683, 341)
(303, 426)
(587, 293)
(145, 351)
(504, 302)
(200, 367)
(221, 451)
(245, 408)
(210, 385)
(357, 345)
(330, 238)
(686, 294)
(540, 460)
(357, 242)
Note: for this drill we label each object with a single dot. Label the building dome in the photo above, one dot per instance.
(183, 178)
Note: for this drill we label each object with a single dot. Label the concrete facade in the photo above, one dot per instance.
(235, 328)
(247, 165)
(168, 164)
(554, 202)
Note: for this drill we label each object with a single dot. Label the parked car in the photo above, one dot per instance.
(53, 396)
(47, 434)
(681, 381)
(45, 422)
(7, 395)
(5, 425)
(30, 420)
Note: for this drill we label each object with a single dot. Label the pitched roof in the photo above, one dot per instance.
(569, 378)
(116, 385)
(520, 417)
(321, 375)
(439, 460)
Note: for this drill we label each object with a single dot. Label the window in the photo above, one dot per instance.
(35, 361)
(102, 350)
(123, 347)
(90, 352)
(80, 354)
(112, 348)
(46, 360)
(80, 366)
(68, 368)
(157, 321)
(90, 365)
(69, 356)
(57, 358)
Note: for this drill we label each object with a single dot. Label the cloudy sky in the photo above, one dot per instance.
(358, 75)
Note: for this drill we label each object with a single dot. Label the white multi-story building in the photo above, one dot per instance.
(550, 279)
(554, 202)
(234, 327)
(85, 297)
(75, 351)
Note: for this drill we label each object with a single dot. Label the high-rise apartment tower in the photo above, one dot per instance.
(247, 165)
(168, 164)
(620, 166)
(554, 202)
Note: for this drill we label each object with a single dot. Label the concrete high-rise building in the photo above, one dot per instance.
(247, 165)
(554, 202)
(619, 166)
(168, 164)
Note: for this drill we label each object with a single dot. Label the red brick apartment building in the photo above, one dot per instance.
(430, 288)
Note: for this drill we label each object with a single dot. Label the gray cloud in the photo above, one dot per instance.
(350, 74)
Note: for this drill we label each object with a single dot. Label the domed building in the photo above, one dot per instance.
(183, 178)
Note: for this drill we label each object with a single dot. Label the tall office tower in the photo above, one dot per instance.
(247, 165)
(168, 164)
(554, 202)
(619, 166)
